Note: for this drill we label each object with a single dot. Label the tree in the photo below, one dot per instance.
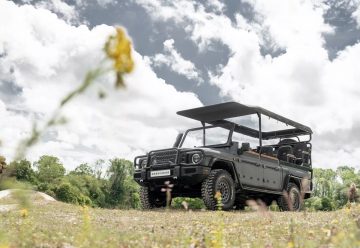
(22, 170)
(83, 169)
(49, 168)
(122, 190)
(89, 186)
(324, 180)
(348, 175)
(98, 168)
(2, 163)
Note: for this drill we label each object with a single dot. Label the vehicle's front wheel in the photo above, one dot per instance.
(150, 199)
(292, 200)
(218, 181)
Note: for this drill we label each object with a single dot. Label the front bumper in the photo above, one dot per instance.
(180, 175)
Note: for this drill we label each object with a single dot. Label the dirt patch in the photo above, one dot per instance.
(7, 207)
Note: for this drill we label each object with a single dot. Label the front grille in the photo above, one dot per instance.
(165, 157)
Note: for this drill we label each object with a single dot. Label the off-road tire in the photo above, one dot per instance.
(218, 180)
(292, 190)
(150, 199)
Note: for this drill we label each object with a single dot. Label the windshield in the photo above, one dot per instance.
(213, 136)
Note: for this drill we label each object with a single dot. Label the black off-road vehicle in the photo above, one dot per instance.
(209, 159)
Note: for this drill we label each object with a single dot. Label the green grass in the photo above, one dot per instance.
(55, 224)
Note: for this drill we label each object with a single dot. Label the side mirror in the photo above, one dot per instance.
(178, 140)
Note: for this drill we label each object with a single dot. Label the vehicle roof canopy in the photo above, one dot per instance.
(218, 113)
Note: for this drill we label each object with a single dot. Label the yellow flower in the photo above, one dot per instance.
(24, 213)
(118, 49)
(290, 244)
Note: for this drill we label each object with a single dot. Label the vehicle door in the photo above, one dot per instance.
(272, 172)
(250, 170)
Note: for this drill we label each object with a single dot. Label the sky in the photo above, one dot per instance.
(298, 58)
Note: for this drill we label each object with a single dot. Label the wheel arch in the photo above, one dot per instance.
(226, 165)
(292, 179)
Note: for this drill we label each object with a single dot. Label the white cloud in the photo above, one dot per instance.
(173, 59)
(291, 23)
(216, 4)
(302, 83)
(356, 15)
(204, 27)
(101, 3)
(104, 3)
(49, 58)
(67, 11)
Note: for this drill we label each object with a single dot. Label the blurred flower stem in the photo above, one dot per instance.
(118, 50)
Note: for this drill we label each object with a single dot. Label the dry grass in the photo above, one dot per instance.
(55, 224)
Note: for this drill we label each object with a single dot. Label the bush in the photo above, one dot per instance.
(67, 193)
(327, 204)
(313, 203)
(89, 186)
(193, 203)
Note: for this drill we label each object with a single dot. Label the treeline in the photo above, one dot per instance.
(106, 184)
(110, 184)
(333, 189)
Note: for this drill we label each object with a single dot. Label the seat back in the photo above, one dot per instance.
(283, 152)
(267, 150)
(282, 143)
(244, 147)
(287, 141)
(301, 151)
(299, 148)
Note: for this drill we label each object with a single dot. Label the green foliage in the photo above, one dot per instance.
(68, 193)
(348, 175)
(89, 186)
(83, 169)
(114, 187)
(22, 170)
(131, 198)
(331, 188)
(122, 191)
(49, 168)
(185, 202)
(2, 163)
(313, 203)
(85, 185)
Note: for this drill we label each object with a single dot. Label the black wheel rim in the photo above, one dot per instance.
(225, 190)
(295, 199)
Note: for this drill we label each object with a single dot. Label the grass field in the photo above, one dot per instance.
(55, 224)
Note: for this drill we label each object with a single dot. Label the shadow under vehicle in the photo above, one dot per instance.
(209, 159)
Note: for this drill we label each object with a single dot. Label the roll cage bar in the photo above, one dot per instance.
(217, 114)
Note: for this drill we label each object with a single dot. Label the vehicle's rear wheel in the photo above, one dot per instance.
(218, 181)
(150, 199)
(292, 200)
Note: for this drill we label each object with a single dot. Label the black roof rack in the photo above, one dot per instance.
(218, 113)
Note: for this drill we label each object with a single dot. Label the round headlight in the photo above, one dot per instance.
(143, 163)
(196, 158)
